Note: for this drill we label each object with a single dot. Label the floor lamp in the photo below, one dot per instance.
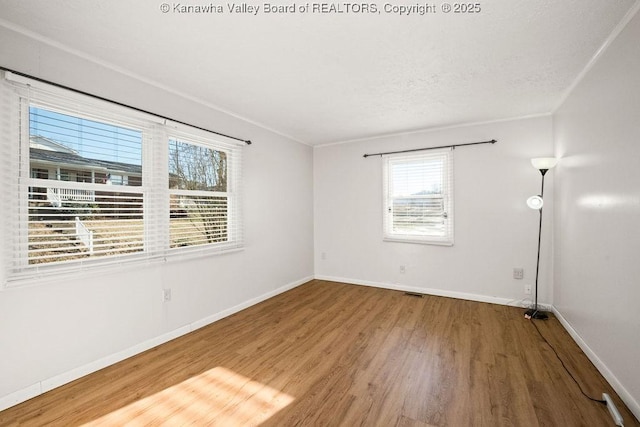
(543, 164)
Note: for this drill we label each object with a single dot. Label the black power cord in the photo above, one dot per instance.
(604, 402)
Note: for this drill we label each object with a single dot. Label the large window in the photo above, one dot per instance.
(418, 199)
(92, 184)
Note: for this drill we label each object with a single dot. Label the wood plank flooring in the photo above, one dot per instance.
(333, 354)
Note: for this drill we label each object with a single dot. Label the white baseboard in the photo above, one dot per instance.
(228, 312)
(19, 396)
(66, 377)
(74, 374)
(626, 397)
(426, 291)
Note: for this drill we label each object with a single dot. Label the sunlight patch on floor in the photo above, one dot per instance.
(218, 396)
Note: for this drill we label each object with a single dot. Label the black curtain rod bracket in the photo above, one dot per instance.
(58, 85)
(493, 141)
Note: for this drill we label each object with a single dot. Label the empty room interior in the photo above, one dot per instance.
(291, 213)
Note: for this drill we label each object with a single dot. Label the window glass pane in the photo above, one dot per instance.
(417, 177)
(194, 167)
(76, 149)
(79, 221)
(197, 219)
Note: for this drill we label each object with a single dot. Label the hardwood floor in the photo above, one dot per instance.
(328, 353)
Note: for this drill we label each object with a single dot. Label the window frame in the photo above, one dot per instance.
(445, 156)
(22, 93)
(231, 194)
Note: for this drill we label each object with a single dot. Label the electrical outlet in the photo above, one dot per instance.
(402, 269)
(518, 273)
(166, 295)
(323, 255)
(527, 289)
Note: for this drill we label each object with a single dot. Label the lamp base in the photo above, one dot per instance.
(535, 314)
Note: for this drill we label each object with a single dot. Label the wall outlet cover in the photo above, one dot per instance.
(518, 273)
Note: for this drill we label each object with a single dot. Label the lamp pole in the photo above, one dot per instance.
(534, 313)
(543, 164)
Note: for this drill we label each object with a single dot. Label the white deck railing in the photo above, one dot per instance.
(53, 197)
(84, 235)
(58, 195)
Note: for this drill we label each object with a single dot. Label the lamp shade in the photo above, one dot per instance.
(544, 162)
(535, 202)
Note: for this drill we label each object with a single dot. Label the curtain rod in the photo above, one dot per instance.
(58, 85)
(493, 141)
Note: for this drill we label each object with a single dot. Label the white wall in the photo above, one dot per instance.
(57, 330)
(597, 216)
(494, 229)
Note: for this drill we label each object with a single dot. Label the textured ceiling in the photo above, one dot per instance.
(329, 77)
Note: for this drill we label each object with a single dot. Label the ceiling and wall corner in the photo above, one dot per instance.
(320, 78)
(631, 13)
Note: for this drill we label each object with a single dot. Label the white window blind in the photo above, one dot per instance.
(418, 197)
(87, 184)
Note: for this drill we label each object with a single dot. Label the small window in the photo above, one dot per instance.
(418, 198)
(83, 176)
(39, 173)
(113, 179)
